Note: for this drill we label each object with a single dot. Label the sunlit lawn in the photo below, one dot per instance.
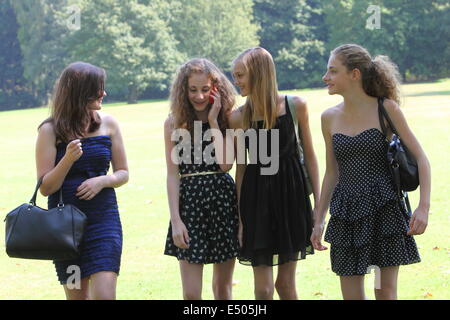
(147, 274)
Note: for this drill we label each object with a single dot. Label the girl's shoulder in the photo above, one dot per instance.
(391, 106)
(170, 121)
(235, 118)
(107, 118)
(300, 104)
(47, 129)
(332, 112)
(109, 124)
(46, 126)
(46, 132)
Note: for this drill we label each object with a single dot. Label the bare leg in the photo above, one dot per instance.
(78, 294)
(103, 285)
(191, 278)
(388, 290)
(285, 283)
(264, 286)
(352, 288)
(223, 279)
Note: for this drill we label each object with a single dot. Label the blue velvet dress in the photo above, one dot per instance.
(101, 247)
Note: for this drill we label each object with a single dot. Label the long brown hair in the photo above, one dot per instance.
(181, 109)
(263, 88)
(380, 76)
(79, 85)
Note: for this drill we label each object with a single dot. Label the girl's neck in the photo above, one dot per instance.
(356, 100)
(202, 115)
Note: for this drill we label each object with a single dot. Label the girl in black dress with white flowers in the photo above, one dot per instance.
(368, 226)
(202, 195)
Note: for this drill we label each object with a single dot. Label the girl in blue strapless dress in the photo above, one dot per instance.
(74, 149)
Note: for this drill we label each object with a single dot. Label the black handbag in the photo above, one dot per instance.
(35, 233)
(402, 164)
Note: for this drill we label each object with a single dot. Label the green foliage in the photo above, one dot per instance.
(130, 41)
(141, 42)
(294, 34)
(40, 38)
(217, 30)
(412, 33)
(13, 91)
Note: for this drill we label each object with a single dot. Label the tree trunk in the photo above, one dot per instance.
(132, 94)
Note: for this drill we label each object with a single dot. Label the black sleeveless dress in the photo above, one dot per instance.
(367, 226)
(275, 211)
(208, 208)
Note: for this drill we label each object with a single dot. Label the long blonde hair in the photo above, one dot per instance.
(181, 109)
(263, 88)
(380, 76)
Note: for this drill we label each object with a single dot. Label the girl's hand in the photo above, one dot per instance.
(73, 151)
(316, 237)
(180, 235)
(215, 108)
(90, 188)
(418, 222)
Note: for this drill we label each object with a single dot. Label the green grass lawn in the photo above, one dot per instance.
(147, 274)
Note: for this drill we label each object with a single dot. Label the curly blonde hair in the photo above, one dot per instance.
(182, 111)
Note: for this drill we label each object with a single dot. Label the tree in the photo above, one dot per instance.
(295, 34)
(40, 37)
(217, 30)
(412, 33)
(130, 41)
(13, 92)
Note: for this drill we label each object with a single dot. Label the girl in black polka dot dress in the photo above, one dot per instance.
(202, 196)
(368, 228)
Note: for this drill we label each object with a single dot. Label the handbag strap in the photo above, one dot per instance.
(291, 105)
(382, 113)
(33, 198)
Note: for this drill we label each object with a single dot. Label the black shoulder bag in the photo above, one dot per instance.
(35, 233)
(402, 164)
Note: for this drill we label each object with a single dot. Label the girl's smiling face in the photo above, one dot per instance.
(97, 104)
(240, 77)
(199, 89)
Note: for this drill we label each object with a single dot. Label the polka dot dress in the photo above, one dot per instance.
(208, 208)
(367, 226)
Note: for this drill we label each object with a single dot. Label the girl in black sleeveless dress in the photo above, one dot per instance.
(368, 229)
(275, 209)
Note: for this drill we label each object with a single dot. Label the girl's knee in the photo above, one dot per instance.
(222, 291)
(386, 293)
(192, 294)
(264, 292)
(285, 285)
